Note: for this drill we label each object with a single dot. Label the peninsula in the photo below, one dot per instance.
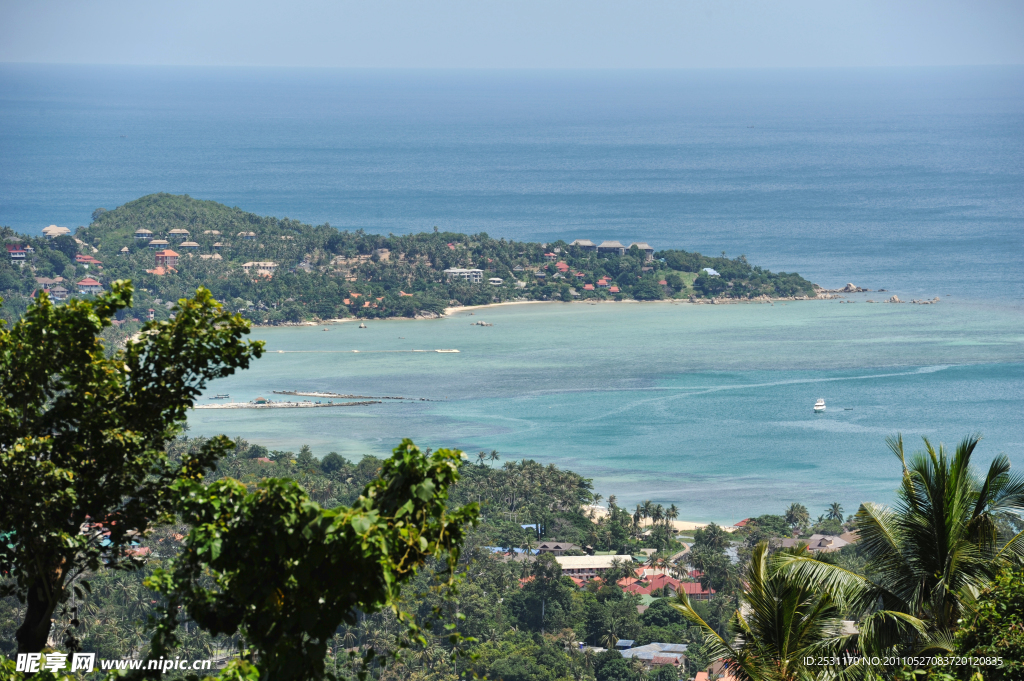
(282, 271)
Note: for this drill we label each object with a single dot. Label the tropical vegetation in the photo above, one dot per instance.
(323, 273)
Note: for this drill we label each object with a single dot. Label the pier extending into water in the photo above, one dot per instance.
(305, 404)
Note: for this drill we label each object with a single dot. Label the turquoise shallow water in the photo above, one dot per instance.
(708, 407)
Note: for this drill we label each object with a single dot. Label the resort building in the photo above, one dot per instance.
(215, 256)
(611, 247)
(586, 568)
(657, 654)
(159, 243)
(53, 231)
(264, 269)
(124, 250)
(212, 232)
(180, 234)
(143, 234)
(585, 244)
(189, 245)
(46, 283)
(166, 258)
(648, 251)
(247, 236)
(472, 276)
(58, 293)
(711, 272)
(86, 260)
(496, 281)
(557, 547)
(816, 543)
(16, 253)
(89, 286)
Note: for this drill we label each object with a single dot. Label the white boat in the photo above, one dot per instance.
(446, 350)
(820, 404)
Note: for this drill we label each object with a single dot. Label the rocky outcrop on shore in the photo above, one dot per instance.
(849, 288)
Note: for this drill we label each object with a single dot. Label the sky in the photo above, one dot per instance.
(562, 34)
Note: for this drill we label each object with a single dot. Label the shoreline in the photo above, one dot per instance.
(677, 525)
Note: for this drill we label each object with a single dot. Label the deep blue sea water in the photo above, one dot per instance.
(902, 179)
(910, 180)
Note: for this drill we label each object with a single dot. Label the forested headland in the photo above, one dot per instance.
(319, 272)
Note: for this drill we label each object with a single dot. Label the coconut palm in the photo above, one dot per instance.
(835, 511)
(797, 515)
(494, 456)
(787, 618)
(481, 457)
(940, 545)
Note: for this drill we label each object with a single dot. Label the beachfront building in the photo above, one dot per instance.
(586, 568)
(647, 250)
(472, 276)
(584, 244)
(613, 247)
(264, 269)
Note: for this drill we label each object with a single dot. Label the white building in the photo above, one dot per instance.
(496, 281)
(588, 567)
(472, 276)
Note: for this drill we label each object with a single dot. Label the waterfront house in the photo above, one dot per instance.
(588, 287)
(263, 268)
(89, 286)
(613, 289)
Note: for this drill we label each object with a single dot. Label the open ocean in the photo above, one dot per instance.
(910, 180)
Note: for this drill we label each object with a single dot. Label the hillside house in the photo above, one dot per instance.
(263, 269)
(472, 276)
(89, 286)
(166, 258)
(586, 568)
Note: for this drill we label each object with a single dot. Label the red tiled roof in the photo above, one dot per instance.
(588, 287)
(614, 289)
(694, 588)
(89, 282)
(166, 253)
(347, 301)
(662, 283)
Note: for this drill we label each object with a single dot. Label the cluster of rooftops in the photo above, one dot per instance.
(613, 247)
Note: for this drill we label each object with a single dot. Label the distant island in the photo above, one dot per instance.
(277, 271)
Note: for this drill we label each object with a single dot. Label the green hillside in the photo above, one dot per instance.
(317, 269)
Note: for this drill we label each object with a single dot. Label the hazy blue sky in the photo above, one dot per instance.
(515, 33)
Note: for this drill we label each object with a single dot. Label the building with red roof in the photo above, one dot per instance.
(588, 287)
(89, 286)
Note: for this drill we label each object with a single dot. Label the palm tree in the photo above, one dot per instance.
(797, 516)
(835, 511)
(786, 618)
(494, 456)
(671, 514)
(940, 545)
(481, 457)
(610, 638)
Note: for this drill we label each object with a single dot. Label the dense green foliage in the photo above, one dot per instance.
(996, 629)
(82, 436)
(318, 268)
